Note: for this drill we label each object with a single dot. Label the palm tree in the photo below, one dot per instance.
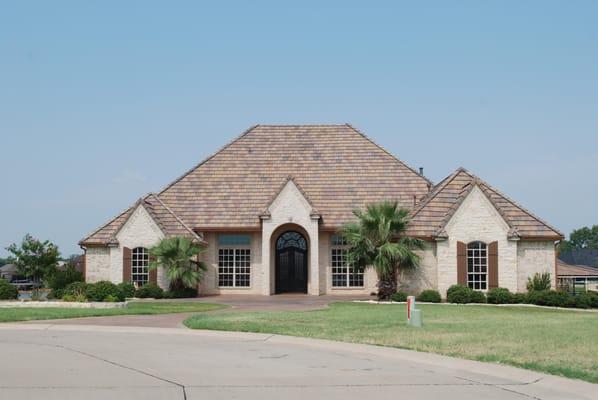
(178, 256)
(377, 240)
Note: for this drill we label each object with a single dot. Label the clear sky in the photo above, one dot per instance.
(101, 102)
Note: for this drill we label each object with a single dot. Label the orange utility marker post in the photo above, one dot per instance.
(414, 316)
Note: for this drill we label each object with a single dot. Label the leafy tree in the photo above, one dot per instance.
(377, 240)
(35, 259)
(7, 260)
(582, 238)
(178, 256)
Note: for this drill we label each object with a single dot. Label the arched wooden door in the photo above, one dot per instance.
(291, 263)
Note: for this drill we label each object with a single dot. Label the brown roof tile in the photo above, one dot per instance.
(337, 167)
(168, 222)
(431, 215)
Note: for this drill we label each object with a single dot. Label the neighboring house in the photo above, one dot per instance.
(9, 272)
(577, 270)
(269, 206)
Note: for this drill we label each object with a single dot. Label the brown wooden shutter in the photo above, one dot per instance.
(153, 273)
(461, 263)
(126, 264)
(493, 265)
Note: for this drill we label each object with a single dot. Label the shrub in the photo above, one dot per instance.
(150, 290)
(61, 279)
(538, 282)
(430, 296)
(499, 296)
(181, 294)
(100, 290)
(75, 288)
(458, 294)
(593, 299)
(111, 299)
(8, 291)
(399, 296)
(583, 300)
(477, 297)
(519, 298)
(79, 298)
(127, 290)
(552, 298)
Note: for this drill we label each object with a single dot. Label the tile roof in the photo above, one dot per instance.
(168, 222)
(563, 270)
(336, 166)
(430, 216)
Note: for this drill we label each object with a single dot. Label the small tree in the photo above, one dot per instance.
(178, 256)
(377, 240)
(35, 259)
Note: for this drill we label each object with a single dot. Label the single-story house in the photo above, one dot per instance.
(576, 278)
(9, 272)
(269, 206)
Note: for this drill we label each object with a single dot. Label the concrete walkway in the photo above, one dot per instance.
(290, 302)
(93, 362)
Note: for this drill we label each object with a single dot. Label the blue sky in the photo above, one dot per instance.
(101, 102)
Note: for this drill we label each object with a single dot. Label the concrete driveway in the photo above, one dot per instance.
(93, 362)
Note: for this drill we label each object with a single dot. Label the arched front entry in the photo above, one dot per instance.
(291, 263)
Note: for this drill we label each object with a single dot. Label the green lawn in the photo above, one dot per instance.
(553, 341)
(142, 307)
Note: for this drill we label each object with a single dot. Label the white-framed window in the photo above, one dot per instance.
(234, 261)
(139, 266)
(477, 265)
(343, 276)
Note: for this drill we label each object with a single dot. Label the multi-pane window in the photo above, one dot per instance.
(343, 275)
(139, 266)
(477, 265)
(234, 261)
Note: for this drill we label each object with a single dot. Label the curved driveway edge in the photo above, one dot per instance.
(306, 354)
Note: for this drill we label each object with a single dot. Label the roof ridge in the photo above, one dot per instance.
(139, 202)
(299, 125)
(388, 153)
(105, 225)
(498, 192)
(437, 189)
(205, 160)
(176, 216)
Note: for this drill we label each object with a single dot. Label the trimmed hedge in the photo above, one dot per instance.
(429, 296)
(499, 296)
(460, 294)
(399, 296)
(8, 291)
(100, 290)
(127, 290)
(150, 290)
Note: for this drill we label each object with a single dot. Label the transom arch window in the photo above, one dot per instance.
(291, 239)
(140, 266)
(477, 265)
(343, 275)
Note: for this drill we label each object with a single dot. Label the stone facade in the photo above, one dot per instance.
(535, 257)
(476, 219)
